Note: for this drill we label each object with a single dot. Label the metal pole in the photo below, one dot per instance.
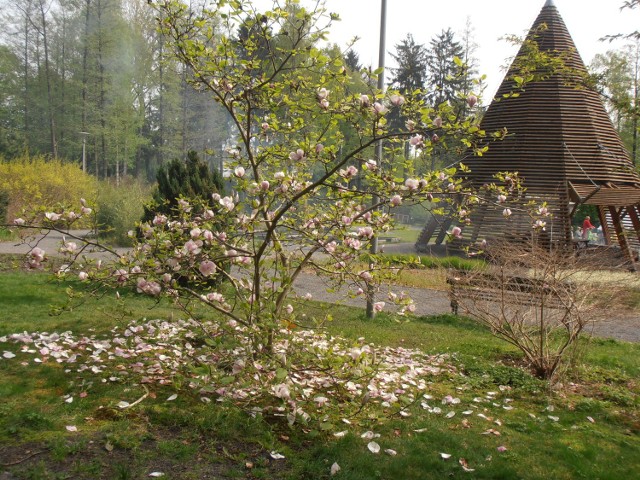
(84, 151)
(374, 198)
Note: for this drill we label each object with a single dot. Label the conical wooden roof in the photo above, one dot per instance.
(562, 143)
(558, 130)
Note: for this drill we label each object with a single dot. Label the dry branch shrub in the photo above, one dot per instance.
(538, 299)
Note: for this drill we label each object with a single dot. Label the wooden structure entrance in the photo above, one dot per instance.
(565, 148)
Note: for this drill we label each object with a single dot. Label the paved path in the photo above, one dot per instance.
(624, 326)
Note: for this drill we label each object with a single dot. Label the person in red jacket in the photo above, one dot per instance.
(586, 226)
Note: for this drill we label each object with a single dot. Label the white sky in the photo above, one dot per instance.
(586, 20)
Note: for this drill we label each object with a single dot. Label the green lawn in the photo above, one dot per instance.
(587, 427)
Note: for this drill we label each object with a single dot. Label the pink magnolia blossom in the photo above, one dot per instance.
(451, 187)
(416, 141)
(323, 93)
(280, 175)
(456, 232)
(379, 108)
(366, 232)
(364, 100)
(191, 248)
(239, 172)
(207, 268)
(264, 126)
(506, 212)
(54, 217)
(472, 100)
(319, 148)
(68, 247)
(324, 104)
(297, 155)
(378, 306)
(371, 165)
(366, 276)
(349, 172)
(411, 184)
(208, 214)
(85, 211)
(19, 221)
(37, 254)
(195, 233)
(330, 247)
(435, 138)
(83, 276)
(353, 243)
(543, 211)
(121, 275)
(396, 100)
(208, 235)
(264, 185)
(216, 197)
(437, 122)
(502, 198)
(159, 219)
(184, 205)
(215, 297)
(346, 220)
(410, 124)
(227, 202)
(289, 309)
(540, 225)
(150, 288)
(396, 200)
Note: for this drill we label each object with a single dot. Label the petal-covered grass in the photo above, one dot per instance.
(484, 417)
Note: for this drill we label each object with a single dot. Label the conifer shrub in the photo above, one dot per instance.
(190, 179)
(182, 179)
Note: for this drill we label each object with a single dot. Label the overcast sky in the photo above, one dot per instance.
(586, 20)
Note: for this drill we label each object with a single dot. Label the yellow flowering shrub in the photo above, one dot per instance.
(34, 181)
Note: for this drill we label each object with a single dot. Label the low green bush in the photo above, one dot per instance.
(120, 208)
(4, 205)
(437, 262)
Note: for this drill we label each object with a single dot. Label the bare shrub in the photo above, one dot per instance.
(537, 299)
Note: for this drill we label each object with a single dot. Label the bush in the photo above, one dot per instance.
(191, 179)
(4, 205)
(119, 208)
(34, 181)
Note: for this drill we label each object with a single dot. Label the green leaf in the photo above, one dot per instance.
(227, 380)
(281, 374)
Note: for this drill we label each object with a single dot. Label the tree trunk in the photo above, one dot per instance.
(47, 73)
(85, 76)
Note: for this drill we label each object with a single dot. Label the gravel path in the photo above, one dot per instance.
(624, 326)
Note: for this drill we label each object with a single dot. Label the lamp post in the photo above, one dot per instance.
(84, 150)
(374, 198)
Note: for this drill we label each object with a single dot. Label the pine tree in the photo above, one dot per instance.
(352, 60)
(444, 78)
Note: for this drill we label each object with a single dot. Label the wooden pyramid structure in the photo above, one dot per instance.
(563, 145)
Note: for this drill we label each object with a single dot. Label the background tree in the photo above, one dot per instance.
(444, 76)
(619, 76)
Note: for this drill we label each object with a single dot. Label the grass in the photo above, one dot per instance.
(186, 439)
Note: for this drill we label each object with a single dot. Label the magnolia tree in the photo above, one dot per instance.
(301, 198)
